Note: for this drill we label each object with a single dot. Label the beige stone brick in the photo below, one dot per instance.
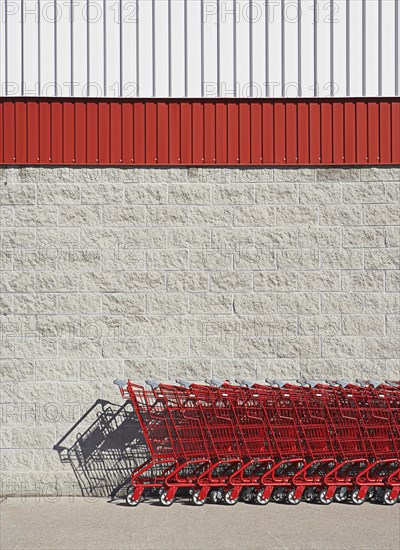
(17, 194)
(355, 281)
(146, 194)
(169, 260)
(102, 193)
(168, 304)
(392, 281)
(189, 369)
(255, 304)
(228, 281)
(35, 216)
(129, 304)
(6, 216)
(277, 193)
(79, 216)
(363, 237)
(303, 303)
(188, 237)
(343, 347)
(320, 193)
(382, 348)
(210, 216)
(294, 174)
(364, 192)
(382, 214)
(140, 369)
(344, 258)
(124, 215)
(319, 280)
(392, 236)
(217, 304)
(233, 194)
(270, 281)
(381, 258)
(167, 215)
(341, 215)
(338, 174)
(363, 325)
(342, 302)
(58, 193)
(296, 216)
(57, 370)
(380, 174)
(187, 282)
(189, 193)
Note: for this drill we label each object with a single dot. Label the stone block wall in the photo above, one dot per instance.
(195, 273)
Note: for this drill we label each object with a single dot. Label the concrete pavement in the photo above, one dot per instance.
(78, 524)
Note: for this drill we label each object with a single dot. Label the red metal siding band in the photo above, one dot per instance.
(199, 132)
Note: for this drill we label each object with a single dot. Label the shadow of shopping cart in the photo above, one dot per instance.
(103, 448)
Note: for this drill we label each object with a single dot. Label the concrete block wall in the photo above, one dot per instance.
(115, 273)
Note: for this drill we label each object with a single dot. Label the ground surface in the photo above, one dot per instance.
(77, 524)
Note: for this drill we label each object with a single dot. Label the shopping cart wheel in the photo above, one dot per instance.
(387, 499)
(164, 500)
(291, 498)
(279, 495)
(130, 500)
(247, 495)
(228, 499)
(309, 494)
(196, 500)
(216, 496)
(322, 497)
(260, 499)
(355, 499)
(341, 494)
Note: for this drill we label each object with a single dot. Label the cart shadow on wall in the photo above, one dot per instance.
(103, 447)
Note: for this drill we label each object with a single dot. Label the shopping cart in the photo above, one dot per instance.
(278, 440)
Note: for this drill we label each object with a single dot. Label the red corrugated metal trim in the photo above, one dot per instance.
(199, 132)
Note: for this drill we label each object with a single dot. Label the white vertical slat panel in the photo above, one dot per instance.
(243, 49)
(307, 48)
(274, 30)
(47, 49)
(31, 48)
(291, 48)
(324, 49)
(177, 58)
(162, 48)
(210, 48)
(63, 48)
(259, 48)
(194, 54)
(355, 50)
(97, 46)
(129, 47)
(80, 49)
(372, 48)
(146, 53)
(2, 49)
(13, 47)
(227, 46)
(194, 48)
(388, 58)
(113, 48)
(339, 26)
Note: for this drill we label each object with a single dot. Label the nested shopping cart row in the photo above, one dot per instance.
(276, 440)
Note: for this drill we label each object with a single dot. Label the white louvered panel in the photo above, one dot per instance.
(31, 49)
(200, 48)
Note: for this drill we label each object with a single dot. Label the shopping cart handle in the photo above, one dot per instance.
(152, 383)
(343, 383)
(280, 383)
(244, 382)
(311, 383)
(184, 383)
(120, 383)
(215, 382)
(375, 383)
(391, 383)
